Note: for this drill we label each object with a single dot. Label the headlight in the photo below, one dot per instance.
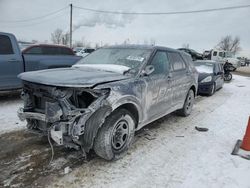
(207, 79)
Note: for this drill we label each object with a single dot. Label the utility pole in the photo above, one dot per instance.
(70, 32)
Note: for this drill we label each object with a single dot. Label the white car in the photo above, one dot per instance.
(85, 52)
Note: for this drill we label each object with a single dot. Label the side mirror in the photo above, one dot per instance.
(149, 69)
(219, 73)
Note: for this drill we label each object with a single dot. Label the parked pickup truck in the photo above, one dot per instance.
(14, 62)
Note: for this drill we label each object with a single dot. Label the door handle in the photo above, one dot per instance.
(169, 77)
(12, 60)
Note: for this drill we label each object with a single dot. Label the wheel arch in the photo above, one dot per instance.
(132, 108)
(194, 89)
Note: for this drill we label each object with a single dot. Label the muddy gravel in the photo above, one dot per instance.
(25, 158)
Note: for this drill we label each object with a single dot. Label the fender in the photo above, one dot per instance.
(129, 99)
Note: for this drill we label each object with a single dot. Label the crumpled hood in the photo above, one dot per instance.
(71, 77)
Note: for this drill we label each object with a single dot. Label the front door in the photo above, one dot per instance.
(158, 87)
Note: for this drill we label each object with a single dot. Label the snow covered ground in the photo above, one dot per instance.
(170, 152)
(8, 113)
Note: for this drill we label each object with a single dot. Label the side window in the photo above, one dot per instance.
(221, 54)
(189, 61)
(66, 51)
(50, 50)
(5, 45)
(34, 50)
(215, 53)
(160, 63)
(176, 61)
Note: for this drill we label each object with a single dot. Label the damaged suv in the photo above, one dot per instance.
(102, 100)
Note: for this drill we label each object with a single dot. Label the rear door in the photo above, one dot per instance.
(219, 75)
(158, 86)
(180, 76)
(11, 63)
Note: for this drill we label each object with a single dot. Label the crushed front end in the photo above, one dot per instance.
(71, 116)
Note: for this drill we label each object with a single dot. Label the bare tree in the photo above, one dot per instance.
(65, 39)
(57, 36)
(227, 43)
(185, 45)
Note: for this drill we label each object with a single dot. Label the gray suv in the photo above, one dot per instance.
(102, 100)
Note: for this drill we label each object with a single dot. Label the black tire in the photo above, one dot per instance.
(228, 77)
(212, 90)
(116, 135)
(188, 105)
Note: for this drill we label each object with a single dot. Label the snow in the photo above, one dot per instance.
(8, 113)
(106, 67)
(170, 152)
(208, 68)
(177, 155)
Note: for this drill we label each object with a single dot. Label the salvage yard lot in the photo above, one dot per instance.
(166, 153)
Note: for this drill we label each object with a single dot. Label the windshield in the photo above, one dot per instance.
(229, 54)
(204, 67)
(128, 57)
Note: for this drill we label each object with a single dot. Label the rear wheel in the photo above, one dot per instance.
(116, 135)
(228, 76)
(188, 105)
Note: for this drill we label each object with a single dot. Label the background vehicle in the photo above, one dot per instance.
(13, 62)
(77, 49)
(23, 45)
(85, 52)
(195, 55)
(222, 56)
(227, 68)
(210, 76)
(108, 95)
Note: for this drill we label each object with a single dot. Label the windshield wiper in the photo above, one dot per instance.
(129, 71)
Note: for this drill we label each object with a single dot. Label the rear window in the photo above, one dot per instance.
(204, 67)
(5, 45)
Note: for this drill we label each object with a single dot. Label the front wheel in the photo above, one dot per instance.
(188, 105)
(116, 135)
(212, 90)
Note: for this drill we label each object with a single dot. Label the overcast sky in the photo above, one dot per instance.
(201, 31)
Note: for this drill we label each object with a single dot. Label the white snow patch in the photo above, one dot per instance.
(195, 159)
(8, 114)
(106, 67)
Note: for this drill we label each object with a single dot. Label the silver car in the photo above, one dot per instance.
(102, 100)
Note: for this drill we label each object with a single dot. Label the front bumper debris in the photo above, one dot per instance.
(30, 115)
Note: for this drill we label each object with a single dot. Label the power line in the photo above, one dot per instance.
(164, 13)
(46, 20)
(36, 18)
